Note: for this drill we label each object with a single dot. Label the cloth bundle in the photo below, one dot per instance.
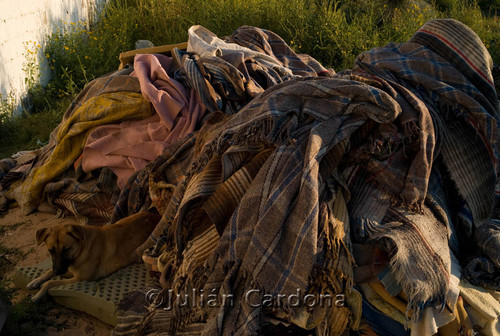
(228, 73)
(405, 143)
(108, 99)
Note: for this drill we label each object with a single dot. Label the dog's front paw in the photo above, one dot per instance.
(34, 284)
(38, 296)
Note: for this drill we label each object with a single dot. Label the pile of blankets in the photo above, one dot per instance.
(278, 178)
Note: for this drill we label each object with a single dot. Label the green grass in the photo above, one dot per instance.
(332, 31)
(30, 130)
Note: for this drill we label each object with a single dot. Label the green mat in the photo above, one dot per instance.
(97, 298)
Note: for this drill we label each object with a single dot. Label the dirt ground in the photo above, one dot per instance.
(17, 233)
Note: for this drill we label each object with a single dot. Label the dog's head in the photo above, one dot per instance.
(64, 244)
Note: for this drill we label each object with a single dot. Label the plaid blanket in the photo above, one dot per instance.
(446, 70)
(269, 43)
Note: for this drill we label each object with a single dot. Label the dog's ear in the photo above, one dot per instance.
(76, 231)
(41, 235)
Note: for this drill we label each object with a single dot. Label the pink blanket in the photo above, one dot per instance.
(130, 145)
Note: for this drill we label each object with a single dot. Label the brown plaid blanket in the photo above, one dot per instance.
(274, 207)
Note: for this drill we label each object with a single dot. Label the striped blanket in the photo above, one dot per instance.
(89, 197)
(226, 74)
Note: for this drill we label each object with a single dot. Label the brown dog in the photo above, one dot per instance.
(89, 252)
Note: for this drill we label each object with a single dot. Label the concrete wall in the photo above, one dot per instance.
(24, 24)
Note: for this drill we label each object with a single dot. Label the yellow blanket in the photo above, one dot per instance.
(100, 110)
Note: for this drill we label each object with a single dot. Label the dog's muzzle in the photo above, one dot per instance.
(60, 266)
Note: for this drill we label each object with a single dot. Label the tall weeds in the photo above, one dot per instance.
(332, 31)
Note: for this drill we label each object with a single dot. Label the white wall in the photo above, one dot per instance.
(25, 23)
